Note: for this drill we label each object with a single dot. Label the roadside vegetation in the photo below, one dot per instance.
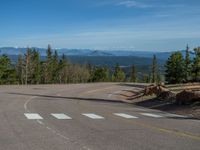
(183, 70)
(182, 92)
(54, 69)
(30, 69)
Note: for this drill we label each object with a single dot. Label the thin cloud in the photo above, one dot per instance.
(135, 4)
(138, 4)
(162, 15)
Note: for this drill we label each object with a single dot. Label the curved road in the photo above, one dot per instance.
(88, 117)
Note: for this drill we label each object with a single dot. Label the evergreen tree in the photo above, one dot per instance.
(175, 68)
(118, 75)
(159, 78)
(146, 78)
(90, 68)
(63, 70)
(187, 64)
(133, 74)
(77, 73)
(100, 74)
(154, 72)
(49, 66)
(196, 65)
(20, 69)
(28, 66)
(83, 73)
(43, 72)
(36, 77)
(7, 71)
(55, 68)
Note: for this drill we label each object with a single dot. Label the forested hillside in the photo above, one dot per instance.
(32, 68)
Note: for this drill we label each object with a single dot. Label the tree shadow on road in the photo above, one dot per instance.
(148, 103)
(133, 85)
(70, 98)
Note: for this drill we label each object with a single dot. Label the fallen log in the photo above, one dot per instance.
(187, 97)
(160, 91)
(167, 96)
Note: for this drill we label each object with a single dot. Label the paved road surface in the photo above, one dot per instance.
(87, 117)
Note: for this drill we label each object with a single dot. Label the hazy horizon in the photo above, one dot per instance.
(103, 50)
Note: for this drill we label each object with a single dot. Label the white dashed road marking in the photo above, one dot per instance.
(151, 115)
(93, 116)
(175, 115)
(61, 116)
(125, 116)
(32, 116)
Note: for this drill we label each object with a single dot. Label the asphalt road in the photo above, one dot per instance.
(88, 117)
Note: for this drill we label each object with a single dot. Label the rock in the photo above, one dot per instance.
(187, 97)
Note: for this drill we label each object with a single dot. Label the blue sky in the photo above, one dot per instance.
(160, 25)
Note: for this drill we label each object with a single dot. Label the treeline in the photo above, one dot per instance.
(180, 69)
(54, 69)
(30, 69)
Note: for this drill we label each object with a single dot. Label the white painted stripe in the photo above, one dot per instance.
(61, 116)
(32, 116)
(40, 122)
(151, 115)
(125, 115)
(93, 116)
(175, 115)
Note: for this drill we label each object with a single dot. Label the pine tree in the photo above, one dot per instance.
(187, 64)
(118, 75)
(36, 77)
(43, 72)
(20, 69)
(175, 68)
(55, 67)
(84, 74)
(62, 70)
(133, 74)
(90, 68)
(77, 73)
(154, 72)
(28, 66)
(146, 78)
(49, 67)
(196, 65)
(100, 74)
(7, 71)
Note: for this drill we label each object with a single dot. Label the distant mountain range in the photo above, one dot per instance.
(88, 52)
(141, 59)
